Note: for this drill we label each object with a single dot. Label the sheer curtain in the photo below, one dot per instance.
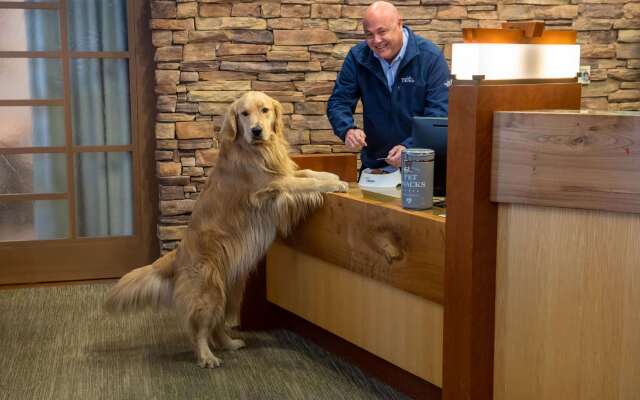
(100, 116)
(45, 75)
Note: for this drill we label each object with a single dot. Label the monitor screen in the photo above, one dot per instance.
(431, 133)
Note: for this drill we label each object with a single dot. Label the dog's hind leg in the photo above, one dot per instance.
(205, 311)
(234, 301)
(201, 322)
(222, 339)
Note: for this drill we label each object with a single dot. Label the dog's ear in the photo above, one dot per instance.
(278, 125)
(229, 128)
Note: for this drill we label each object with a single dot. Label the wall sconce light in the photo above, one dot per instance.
(516, 52)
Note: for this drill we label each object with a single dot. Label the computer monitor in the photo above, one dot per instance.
(431, 133)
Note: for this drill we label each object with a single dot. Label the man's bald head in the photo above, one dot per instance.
(381, 9)
(382, 25)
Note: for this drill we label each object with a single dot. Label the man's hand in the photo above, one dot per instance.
(393, 158)
(355, 139)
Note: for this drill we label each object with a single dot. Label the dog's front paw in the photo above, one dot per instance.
(341, 186)
(209, 362)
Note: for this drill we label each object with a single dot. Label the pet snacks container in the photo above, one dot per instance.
(417, 178)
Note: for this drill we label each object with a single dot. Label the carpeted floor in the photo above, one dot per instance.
(57, 343)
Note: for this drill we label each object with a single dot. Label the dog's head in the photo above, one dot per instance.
(255, 118)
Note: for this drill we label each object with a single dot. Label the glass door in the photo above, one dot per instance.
(74, 168)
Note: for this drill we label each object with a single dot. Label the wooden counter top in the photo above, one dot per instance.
(374, 236)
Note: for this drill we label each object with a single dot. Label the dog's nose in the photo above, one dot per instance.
(256, 131)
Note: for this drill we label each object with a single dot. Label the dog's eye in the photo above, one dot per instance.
(265, 110)
(244, 113)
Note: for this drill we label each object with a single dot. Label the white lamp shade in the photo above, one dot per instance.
(498, 61)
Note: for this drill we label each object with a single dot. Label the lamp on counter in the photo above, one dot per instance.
(519, 51)
(519, 67)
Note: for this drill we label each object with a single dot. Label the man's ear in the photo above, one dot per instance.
(278, 124)
(229, 128)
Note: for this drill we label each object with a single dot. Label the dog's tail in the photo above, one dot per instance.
(151, 285)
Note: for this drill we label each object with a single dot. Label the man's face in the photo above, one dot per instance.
(384, 35)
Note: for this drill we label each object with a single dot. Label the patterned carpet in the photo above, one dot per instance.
(57, 343)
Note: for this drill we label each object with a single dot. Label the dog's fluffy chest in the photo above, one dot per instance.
(258, 236)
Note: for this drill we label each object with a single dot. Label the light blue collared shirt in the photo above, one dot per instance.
(391, 69)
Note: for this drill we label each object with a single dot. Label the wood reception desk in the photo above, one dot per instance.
(539, 292)
(567, 317)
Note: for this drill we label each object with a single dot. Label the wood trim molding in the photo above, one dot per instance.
(33, 196)
(32, 102)
(29, 6)
(32, 54)
(470, 259)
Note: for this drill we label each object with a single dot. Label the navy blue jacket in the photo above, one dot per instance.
(420, 88)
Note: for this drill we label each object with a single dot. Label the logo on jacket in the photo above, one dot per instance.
(407, 79)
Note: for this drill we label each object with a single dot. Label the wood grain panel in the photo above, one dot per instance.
(472, 226)
(572, 159)
(379, 239)
(567, 301)
(402, 328)
(345, 165)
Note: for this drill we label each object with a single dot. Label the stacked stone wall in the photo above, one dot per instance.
(209, 52)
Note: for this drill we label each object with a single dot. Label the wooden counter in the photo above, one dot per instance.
(370, 272)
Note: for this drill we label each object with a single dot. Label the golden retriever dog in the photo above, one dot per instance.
(254, 192)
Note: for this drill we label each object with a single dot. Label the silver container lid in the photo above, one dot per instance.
(416, 154)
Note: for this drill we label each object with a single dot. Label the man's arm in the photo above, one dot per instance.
(436, 92)
(344, 98)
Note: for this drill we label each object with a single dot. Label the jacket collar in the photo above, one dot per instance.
(367, 58)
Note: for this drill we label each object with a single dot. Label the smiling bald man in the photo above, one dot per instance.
(398, 75)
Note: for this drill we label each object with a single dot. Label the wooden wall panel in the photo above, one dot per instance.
(571, 159)
(567, 304)
(399, 327)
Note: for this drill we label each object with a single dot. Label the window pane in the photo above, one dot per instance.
(29, 30)
(104, 200)
(97, 25)
(30, 78)
(100, 101)
(33, 173)
(34, 220)
(32, 126)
